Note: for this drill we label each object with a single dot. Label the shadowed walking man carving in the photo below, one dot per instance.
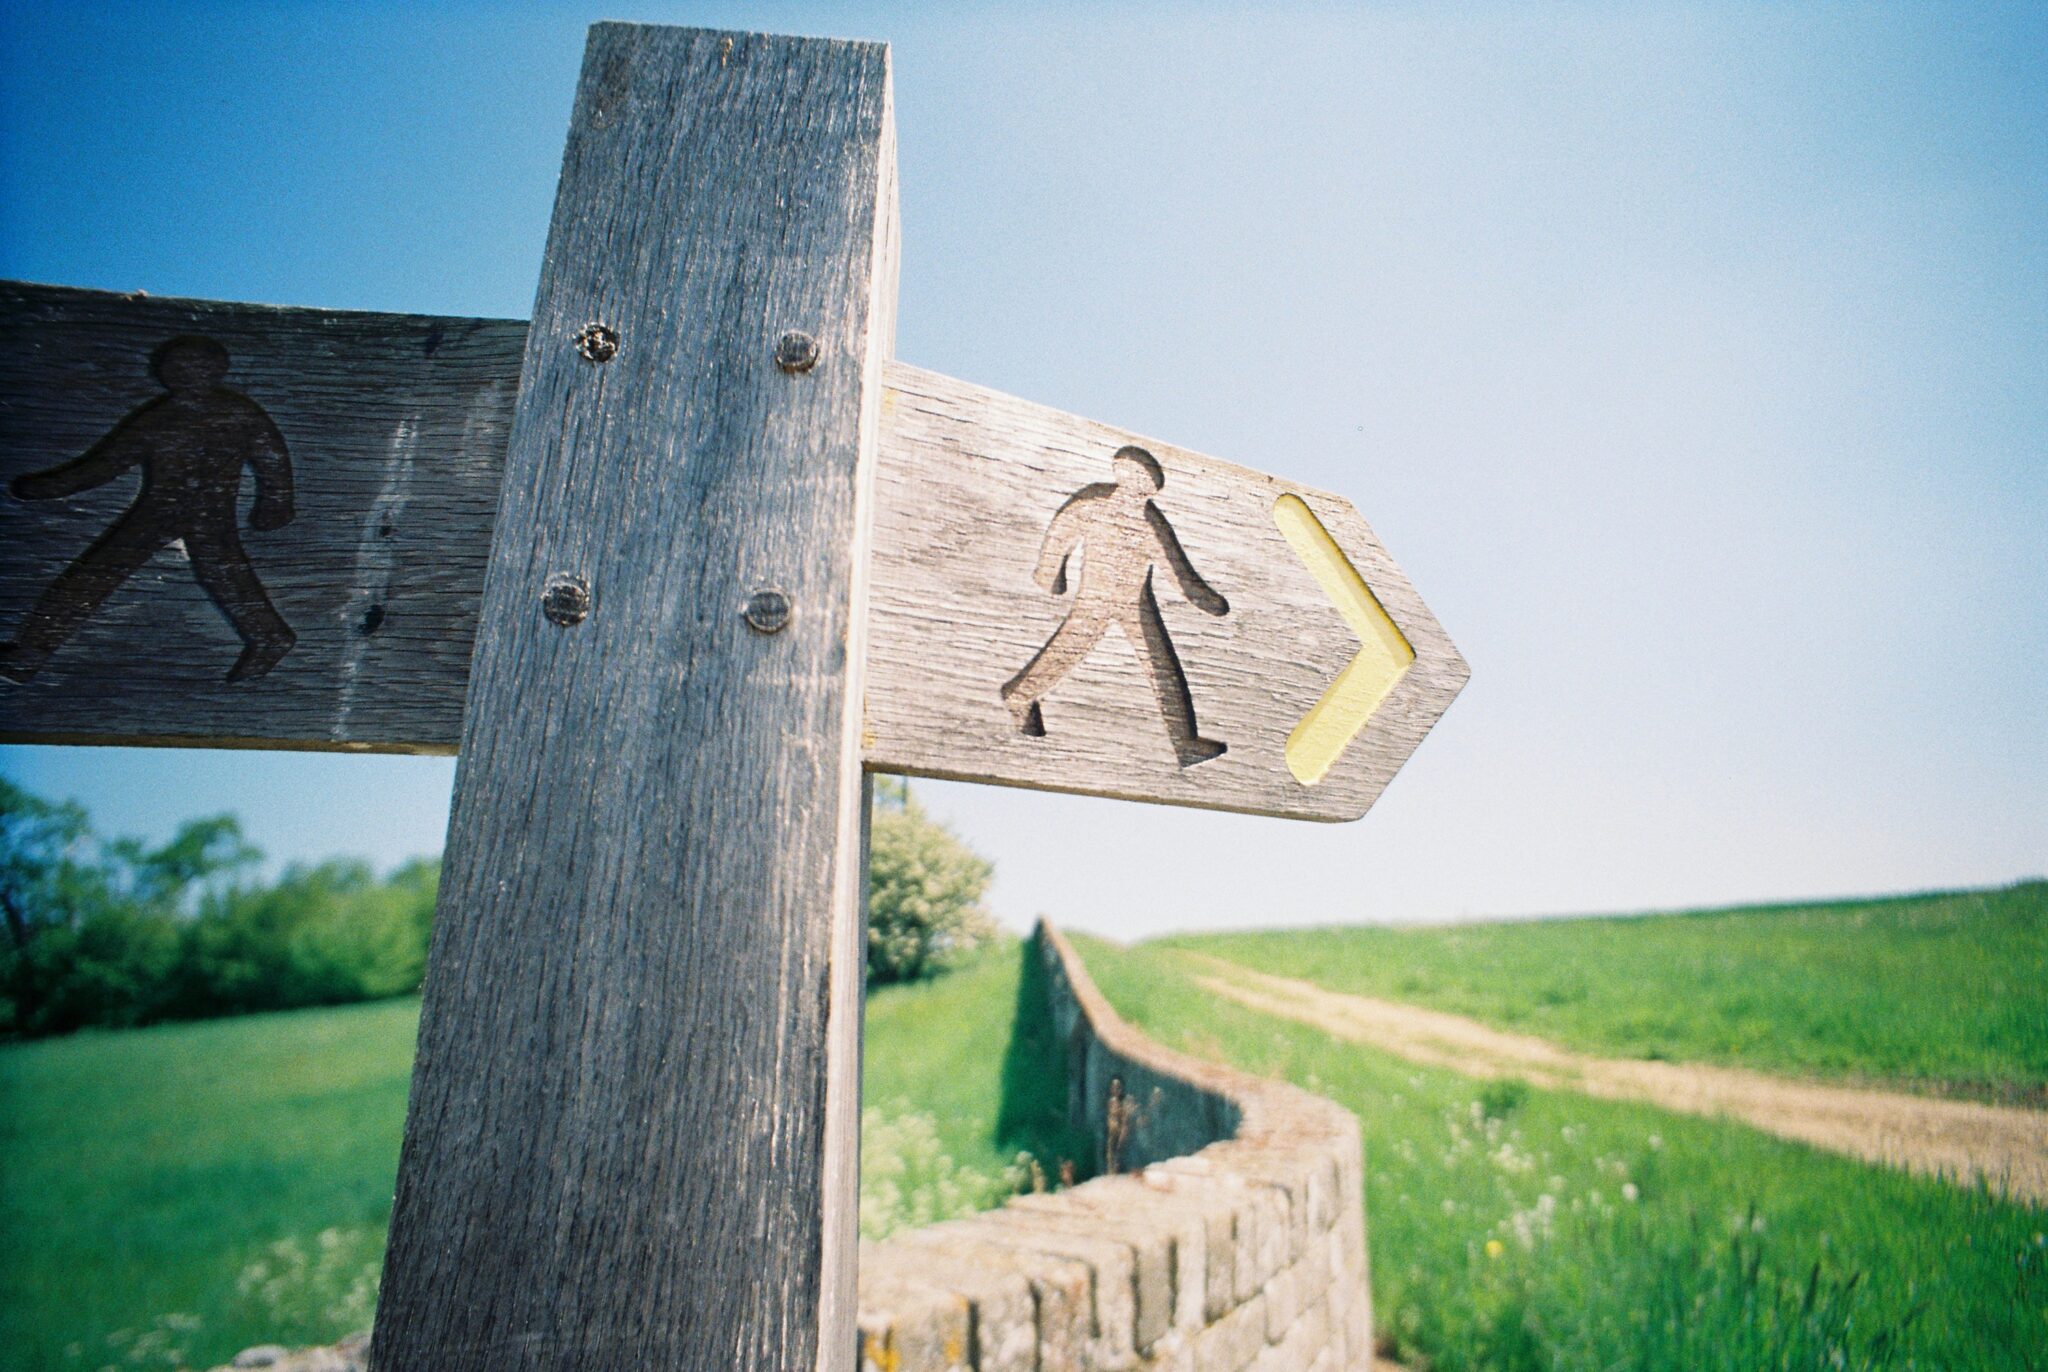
(191, 443)
(1122, 536)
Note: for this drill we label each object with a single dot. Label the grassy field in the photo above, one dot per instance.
(1940, 993)
(196, 1188)
(179, 1193)
(1518, 1229)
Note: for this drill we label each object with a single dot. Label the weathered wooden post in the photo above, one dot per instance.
(633, 1134)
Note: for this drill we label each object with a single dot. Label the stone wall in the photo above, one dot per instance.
(1232, 1235)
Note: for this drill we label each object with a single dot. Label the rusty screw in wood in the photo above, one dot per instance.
(598, 342)
(796, 352)
(767, 611)
(566, 601)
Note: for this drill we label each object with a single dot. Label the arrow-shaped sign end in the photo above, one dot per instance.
(1384, 654)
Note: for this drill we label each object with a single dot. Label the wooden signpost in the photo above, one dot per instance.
(673, 567)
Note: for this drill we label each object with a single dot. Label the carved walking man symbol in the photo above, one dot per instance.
(1123, 535)
(192, 443)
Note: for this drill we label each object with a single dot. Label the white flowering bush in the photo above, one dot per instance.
(328, 1285)
(924, 891)
(907, 1179)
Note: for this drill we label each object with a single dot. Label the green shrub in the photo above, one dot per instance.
(924, 891)
(320, 935)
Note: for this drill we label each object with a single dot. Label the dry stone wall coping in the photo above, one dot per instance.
(1231, 1235)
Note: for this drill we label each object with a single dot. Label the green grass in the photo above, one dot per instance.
(974, 1050)
(1708, 1266)
(1942, 993)
(143, 1172)
(198, 1188)
(961, 1076)
(146, 1174)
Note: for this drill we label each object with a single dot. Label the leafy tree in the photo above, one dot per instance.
(54, 897)
(93, 927)
(203, 858)
(117, 965)
(924, 890)
(320, 935)
(39, 845)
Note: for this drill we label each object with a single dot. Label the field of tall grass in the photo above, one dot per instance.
(1944, 993)
(1517, 1229)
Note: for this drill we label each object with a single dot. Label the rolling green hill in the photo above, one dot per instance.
(1942, 993)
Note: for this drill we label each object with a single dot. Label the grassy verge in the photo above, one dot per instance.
(1945, 993)
(172, 1195)
(965, 1093)
(1517, 1229)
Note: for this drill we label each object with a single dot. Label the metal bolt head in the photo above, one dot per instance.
(597, 342)
(796, 351)
(767, 611)
(566, 599)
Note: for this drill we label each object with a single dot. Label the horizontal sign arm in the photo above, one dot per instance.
(231, 525)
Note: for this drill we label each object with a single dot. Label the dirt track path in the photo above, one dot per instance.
(1958, 1139)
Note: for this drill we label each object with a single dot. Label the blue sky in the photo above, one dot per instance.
(1693, 360)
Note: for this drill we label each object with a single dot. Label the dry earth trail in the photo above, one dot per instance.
(2007, 1147)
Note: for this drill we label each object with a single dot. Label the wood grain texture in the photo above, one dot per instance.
(970, 482)
(633, 1047)
(395, 427)
(390, 432)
